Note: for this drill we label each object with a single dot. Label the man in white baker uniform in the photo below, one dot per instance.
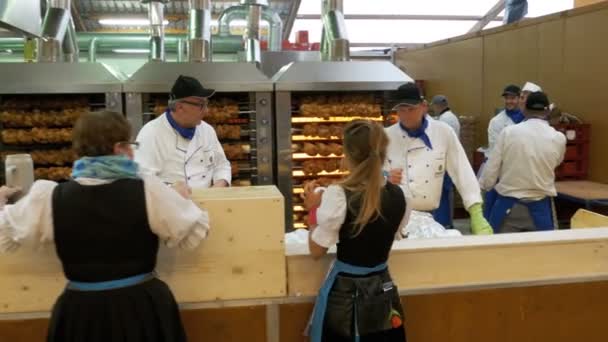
(515, 102)
(419, 153)
(178, 146)
(521, 169)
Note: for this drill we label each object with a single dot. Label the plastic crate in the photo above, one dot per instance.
(576, 159)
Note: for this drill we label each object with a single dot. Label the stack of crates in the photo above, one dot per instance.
(576, 160)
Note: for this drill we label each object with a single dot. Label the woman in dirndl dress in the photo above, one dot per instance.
(363, 215)
(106, 224)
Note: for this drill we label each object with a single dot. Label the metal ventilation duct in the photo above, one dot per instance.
(199, 31)
(241, 12)
(71, 53)
(335, 45)
(21, 16)
(54, 28)
(253, 53)
(157, 30)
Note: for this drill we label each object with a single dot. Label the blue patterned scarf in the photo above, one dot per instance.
(105, 167)
(419, 133)
(516, 115)
(187, 133)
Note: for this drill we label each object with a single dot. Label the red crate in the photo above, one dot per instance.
(575, 133)
(576, 158)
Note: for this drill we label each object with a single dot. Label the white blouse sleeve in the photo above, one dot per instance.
(176, 220)
(30, 217)
(401, 232)
(330, 217)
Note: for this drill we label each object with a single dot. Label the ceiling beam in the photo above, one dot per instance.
(400, 17)
(491, 15)
(78, 22)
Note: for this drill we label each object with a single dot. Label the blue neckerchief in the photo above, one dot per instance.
(187, 133)
(419, 133)
(516, 115)
(105, 167)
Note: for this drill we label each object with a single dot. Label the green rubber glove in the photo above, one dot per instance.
(479, 224)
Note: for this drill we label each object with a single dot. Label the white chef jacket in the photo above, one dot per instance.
(452, 120)
(199, 162)
(424, 168)
(524, 159)
(497, 124)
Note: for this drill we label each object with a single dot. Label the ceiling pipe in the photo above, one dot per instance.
(199, 31)
(241, 11)
(156, 16)
(251, 35)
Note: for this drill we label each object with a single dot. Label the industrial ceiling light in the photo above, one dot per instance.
(127, 22)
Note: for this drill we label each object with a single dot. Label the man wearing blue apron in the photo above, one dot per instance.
(445, 213)
(420, 152)
(521, 170)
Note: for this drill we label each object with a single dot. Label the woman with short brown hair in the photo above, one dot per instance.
(106, 224)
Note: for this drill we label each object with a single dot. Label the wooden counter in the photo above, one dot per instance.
(243, 256)
(547, 286)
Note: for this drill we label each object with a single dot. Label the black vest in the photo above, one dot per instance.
(373, 244)
(101, 232)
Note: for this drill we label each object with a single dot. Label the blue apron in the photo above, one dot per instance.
(318, 315)
(111, 284)
(541, 212)
(443, 214)
(488, 203)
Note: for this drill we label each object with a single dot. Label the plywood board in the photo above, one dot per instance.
(476, 262)
(585, 190)
(588, 219)
(242, 258)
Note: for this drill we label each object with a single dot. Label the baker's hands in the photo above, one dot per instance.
(312, 195)
(183, 189)
(395, 176)
(7, 192)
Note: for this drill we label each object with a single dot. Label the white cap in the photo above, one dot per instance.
(531, 87)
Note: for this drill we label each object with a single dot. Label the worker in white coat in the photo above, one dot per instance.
(178, 146)
(443, 113)
(419, 153)
(521, 169)
(515, 100)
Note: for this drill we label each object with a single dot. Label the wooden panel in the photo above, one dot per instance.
(583, 189)
(477, 261)
(586, 75)
(226, 324)
(588, 219)
(294, 318)
(559, 313)
(242, 258)
(580, 3)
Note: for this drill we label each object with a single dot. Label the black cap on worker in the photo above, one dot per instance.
(186, 86)
(537, 101)
(511, 90)
(407, 94)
